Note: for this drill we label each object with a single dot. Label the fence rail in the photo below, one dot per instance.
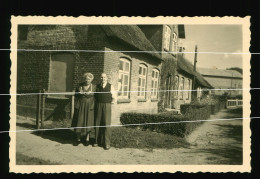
(234, 103)
(40, 112)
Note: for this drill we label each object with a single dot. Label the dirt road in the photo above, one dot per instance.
(217, 142)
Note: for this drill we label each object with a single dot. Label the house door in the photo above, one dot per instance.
(61, 73)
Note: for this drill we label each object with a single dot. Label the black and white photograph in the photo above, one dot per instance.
(135, 94)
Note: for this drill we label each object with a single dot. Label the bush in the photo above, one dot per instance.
(195, 112)
(158, 122)
(125, 137)
(216, 103)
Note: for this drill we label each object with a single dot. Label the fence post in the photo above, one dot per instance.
(38, 111)
(43, 109)
(227, 104)
(72, 104)
(236, 102)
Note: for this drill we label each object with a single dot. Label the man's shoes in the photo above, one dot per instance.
(95, 145)
(76, 142)
(107, 147)
(85, 143)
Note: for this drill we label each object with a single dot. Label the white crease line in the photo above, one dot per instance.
(123, 125)
(94, 51)
(72, 93)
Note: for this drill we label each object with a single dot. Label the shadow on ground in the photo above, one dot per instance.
(231, 154)
(234, 113)
(63, 136)
(27, 125)
(228, 149)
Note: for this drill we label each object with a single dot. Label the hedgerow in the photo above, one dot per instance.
(167, 122)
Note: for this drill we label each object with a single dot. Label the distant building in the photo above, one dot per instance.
(224, 80)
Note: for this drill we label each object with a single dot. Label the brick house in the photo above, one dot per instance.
(223, 79)
(185, 79)
(134, 75)
(177, 72)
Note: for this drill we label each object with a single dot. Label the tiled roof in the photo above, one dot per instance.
(132, 35)
(185, 65)
(220, 72)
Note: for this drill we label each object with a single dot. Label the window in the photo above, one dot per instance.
(142, 81)
(174, 43)
(188, 89)
(181, 87)
(199, 92)
(167, 37)
(61, 73)
(155, 80)
(123, 78)
(176, 87)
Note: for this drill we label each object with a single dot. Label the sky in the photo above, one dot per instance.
(214, 38)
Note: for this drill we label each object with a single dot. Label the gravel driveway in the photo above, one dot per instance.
(216, 142)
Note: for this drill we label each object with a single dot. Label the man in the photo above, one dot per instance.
(105, 96)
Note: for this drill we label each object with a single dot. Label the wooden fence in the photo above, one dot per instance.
(40, 113)
(234, 103)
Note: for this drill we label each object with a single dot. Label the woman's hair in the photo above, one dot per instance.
(88, 75)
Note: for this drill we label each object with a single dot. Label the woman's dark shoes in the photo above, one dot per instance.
(76, 142)
(85, 143)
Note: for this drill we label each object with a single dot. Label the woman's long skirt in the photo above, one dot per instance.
(85, 116)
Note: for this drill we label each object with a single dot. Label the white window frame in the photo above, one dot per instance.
(155, 84)
(199, 92)
(142, 86)
(188, 89)
(181, 87)
(174, 43)
(176, 92)
(167, 38)
(124, 94)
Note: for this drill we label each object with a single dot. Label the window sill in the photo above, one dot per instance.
(154, 100)
(57, 97)
(141, 100)
(123, 101)
(165, 49)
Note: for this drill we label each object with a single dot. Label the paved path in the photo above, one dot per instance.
(218, 142)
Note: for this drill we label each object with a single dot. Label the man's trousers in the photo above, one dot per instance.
(103, 118)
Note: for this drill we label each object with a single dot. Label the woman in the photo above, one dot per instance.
(84, 113)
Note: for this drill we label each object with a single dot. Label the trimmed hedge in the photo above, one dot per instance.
(217, 107)
(216, 103)
(192, 113)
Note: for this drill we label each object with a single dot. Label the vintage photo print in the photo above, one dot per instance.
(130, 94)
